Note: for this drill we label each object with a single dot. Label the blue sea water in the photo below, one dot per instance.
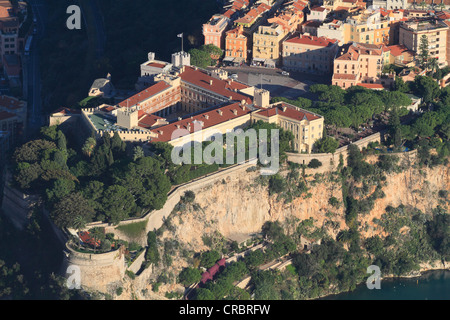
(433, 285)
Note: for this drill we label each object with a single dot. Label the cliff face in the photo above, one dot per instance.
(238, 206)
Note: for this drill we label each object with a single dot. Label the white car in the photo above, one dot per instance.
(285, 73)
(234, 76)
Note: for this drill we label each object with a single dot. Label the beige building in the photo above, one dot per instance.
(306, 126)
(368, 27)
(317, 13)
(305, 53)
(360, 63)
(332, 30)
(435, 30)
(266, 43)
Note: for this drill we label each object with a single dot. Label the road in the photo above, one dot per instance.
(33, 72)
(291, 87)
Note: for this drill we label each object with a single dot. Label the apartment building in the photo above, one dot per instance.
(318, 13)
(253, 18)
(9, 30)
(360, 63)
(289, 19)
(368, 27)
(236, 45)
(214, 30)
(445, 17)
(390, 4)
(305, 53)
(332, 30)
(434, 29)
(266, 44)
(13, 118)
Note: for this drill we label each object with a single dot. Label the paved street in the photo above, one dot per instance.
(291, 87)
(33, 81)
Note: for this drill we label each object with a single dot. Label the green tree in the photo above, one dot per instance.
(70, 208)
(117, 204)
(189, 276)
(423, 51)
(326, 145)
(209, 258)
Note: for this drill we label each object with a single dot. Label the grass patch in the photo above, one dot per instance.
(133, 230)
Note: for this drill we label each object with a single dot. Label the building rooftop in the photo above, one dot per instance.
(289, 111)
(424, 24)
(6, 115)
(312, 40)
(225, 88)
(145, 94)
(207, 119)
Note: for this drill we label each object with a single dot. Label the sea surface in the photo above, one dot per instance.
(433, 285)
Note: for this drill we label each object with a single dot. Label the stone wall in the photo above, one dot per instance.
(330, 161)
(16, 205)
(99, 272)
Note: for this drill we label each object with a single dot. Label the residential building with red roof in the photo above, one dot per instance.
(236, 44)
(214, 30)
(318, 13)
(400, 55)
(13, 117)
(305, 53)
(359, 63)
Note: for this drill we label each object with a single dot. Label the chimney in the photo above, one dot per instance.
(180, 118)
(235, 112)
(284, 108)
(220, 112)
(210, 82)
(206, 116)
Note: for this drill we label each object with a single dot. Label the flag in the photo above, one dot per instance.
(180, 35)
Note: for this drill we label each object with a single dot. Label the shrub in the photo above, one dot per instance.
(314, 163)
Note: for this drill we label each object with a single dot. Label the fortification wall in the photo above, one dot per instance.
(99, 272)
(330, 161)
(16, 205)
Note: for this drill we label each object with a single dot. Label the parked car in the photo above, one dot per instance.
(234, 76)
(285, 73)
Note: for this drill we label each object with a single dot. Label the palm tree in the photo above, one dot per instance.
(78, 223)
(441, 5)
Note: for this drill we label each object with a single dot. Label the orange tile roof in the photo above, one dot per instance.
(224, 88)
(6, 115)
(398, 49)
(148, 120)
(290, 112)
(208, 119)
(145, 94)
(9, 102)
(312, 40)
